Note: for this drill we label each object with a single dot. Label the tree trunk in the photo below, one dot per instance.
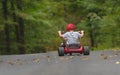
(7, 29)
(21, 29)
(22, 41)
(92, 40)
(15, 23)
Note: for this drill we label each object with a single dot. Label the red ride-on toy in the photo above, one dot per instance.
(73, 48)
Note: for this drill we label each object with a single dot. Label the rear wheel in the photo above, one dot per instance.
(61, 51)
(86, 50)
(70, 54)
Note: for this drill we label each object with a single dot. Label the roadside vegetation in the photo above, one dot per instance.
(30, 26)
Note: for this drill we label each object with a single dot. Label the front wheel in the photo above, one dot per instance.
(61, 51)
(86, 50)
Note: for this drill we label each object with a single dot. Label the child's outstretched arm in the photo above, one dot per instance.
(82, 33)
(60, 33)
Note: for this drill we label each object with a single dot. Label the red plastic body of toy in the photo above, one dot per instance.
(73, 48)
(76, 50)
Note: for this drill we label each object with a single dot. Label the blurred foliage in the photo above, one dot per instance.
(43, 18)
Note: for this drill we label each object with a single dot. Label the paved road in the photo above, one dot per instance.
(97, 63)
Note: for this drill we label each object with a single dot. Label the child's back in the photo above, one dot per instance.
(72, 37)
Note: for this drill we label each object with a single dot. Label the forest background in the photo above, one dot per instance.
(30, 26)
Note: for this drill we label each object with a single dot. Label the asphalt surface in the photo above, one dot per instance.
(97, 63)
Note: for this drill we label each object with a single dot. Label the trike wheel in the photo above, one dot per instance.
(70, 54)
(61, 51)
(86, 50)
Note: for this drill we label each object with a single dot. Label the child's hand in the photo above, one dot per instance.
(60, 34)
(82, 31)
(59, 31)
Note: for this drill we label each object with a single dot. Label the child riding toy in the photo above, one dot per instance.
(71, 43)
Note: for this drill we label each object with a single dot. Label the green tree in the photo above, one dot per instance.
(6, 27)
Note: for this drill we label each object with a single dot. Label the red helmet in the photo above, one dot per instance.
(70, 26)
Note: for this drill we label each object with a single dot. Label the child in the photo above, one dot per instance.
(71, 36)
